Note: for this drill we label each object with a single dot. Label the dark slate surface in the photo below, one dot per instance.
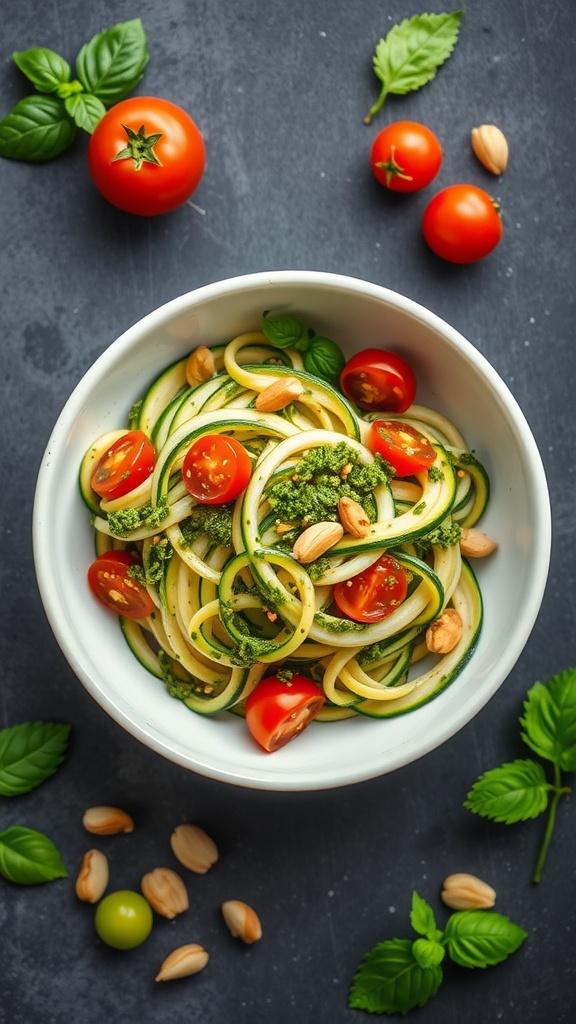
(280, 90)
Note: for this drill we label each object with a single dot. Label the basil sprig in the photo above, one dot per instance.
(321, 356)
(398, 975)
(520, 790)
(108, 67)
(29, 754)
(409, 56)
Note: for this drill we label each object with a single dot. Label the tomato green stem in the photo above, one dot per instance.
(559, 791)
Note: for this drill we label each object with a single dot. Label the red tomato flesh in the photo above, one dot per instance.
(373, 594)
(405, 156)
(118, 591)
(124, 465)
(216, 469)
(278, 710)
(376, 380)
(404, 447)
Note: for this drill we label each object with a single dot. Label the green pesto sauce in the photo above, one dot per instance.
(214, 521)
(126, 520)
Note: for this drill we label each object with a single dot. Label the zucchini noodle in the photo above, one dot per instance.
(231, 603)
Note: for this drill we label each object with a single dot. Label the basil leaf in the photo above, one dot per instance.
(549, 720)
(515, 791)
(112, 63)
(481, 938)
(86, 110)
(283, 331)
(28, 857)
(29, 754)
(422, 918)
(390, 980)
(45, 69)
(428, 953)
(409, 56)
(37, 128)
(324, 359)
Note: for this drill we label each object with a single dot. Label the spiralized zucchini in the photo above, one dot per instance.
(232, 604)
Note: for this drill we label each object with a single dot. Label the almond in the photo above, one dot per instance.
(165, 892)
(279, 394)
(183, 962)
(92, 877)
(353, 517)
(200, 366)
(242, 921)
(466, 892)
(444, 633)
(474, 544)
(491, 148)
(193, 848)
(107, 821)
(314, 541)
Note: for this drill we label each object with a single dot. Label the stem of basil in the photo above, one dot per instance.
(559, 791)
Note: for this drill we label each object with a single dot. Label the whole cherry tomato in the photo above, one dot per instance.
(146, 156)
(277, 710)
(404, 447)
(462, 224)
(112, 584)
(123, 919)
(376, 380)
(405, 156)
(374, 593)
(125, 464)
(216, 469)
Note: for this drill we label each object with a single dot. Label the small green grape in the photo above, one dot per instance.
(123, 919)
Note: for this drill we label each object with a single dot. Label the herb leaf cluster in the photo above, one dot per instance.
(44, 125)
(321, 356)
(520, 790)
(29, 754)
(399, 975)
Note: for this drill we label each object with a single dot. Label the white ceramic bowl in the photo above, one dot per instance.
(453, 377)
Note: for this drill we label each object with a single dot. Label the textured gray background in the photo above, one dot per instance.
(279, 90)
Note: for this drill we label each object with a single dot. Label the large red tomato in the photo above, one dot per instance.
(146, 156)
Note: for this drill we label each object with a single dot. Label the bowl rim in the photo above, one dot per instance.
(156, 318)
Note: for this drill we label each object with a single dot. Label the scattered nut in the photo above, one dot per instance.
(474, 544)
(242, 921)
(193, 848)
(279, 394)
(92, 877)
(444, 633)
(491, 148)
(353, 517)
(314, 541)
(165, 892)
(183, 962)
(107, 821)
(200, 366)
(466, 892)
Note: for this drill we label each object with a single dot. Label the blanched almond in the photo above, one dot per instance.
(183, 962)
(466, 892)
(242, 921)
(165, 892)
(444, 633)
(194, 848)
(474, 544)
(353, 517)
(93, 876)
(279, 394)
(200, 366)
(107, 821)
(491, 148)
(314, 541)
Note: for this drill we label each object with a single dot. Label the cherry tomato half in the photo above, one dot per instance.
(146, 156)
(405, 156)
(376, 380)
(375, 593)
(278, 710)
(124, 465)
(123, 919)
(462, 224)
(216, 469)
(404, 447)
(119, 592)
